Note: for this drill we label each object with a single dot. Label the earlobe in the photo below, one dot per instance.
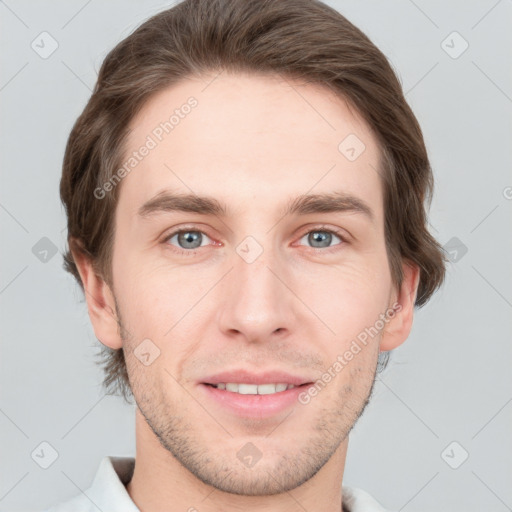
(100, 303)
(399, 326)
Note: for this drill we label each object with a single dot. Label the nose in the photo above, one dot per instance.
(257, 305)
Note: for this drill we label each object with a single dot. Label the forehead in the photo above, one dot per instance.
(249, 140)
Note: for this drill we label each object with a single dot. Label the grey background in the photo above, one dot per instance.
(451, 381)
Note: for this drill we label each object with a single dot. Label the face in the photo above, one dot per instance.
(255, 284)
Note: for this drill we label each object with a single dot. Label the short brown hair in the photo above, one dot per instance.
(301, 39)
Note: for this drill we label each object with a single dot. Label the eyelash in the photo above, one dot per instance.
(192, 252)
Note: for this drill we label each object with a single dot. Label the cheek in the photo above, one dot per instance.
(351, 295)
(158, 300)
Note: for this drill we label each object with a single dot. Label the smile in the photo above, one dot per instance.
(253, 389)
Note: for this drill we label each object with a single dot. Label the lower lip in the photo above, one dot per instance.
(254, 406)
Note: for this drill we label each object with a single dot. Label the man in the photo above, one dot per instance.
(246, 193)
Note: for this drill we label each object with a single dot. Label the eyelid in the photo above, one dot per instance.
(340, 233)
(184, 229)
(330, 229)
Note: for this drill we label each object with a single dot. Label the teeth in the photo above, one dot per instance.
(248, 389)
(254, 389)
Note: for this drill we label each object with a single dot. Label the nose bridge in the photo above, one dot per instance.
(256, 302)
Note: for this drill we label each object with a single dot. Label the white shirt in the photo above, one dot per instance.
(108, 492)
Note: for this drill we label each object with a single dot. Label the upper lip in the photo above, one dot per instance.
(245, 377)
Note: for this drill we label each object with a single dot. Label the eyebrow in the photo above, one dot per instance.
(301, 205)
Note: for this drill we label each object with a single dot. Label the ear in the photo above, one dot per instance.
(100, 303)
(399, 326)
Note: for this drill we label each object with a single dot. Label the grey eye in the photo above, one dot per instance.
(189, 239)
(320, 239)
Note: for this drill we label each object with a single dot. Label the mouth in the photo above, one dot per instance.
(254, 396)
(253, 389)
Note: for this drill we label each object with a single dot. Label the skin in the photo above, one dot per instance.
(253, 142)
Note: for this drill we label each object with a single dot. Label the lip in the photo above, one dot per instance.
(253, 406)
(245, 377)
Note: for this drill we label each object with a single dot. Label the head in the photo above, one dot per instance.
(249, 108)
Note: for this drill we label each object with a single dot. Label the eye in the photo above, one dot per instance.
(320, 238)
(187, 240)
